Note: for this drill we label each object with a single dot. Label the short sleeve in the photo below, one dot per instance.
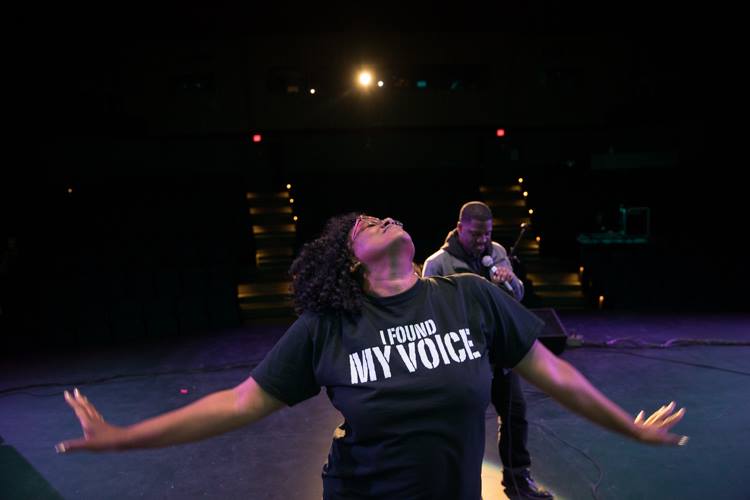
(286, 372)
(515, 328)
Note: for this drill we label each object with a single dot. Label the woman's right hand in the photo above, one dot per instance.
(98, 435)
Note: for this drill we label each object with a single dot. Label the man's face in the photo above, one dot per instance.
(475, 235)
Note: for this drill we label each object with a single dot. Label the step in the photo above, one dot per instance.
(552, 287)
(495, 189)
(273, 221)
(264, 289)
(267, 310)
(265, 210)
(527, 246)
(554, 278)
(280, 195)
(274, 261)
(281, 251)
(561, 295)
(274, 229)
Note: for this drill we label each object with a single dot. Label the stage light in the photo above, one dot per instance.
(365, 78)
(500, 132)
(380, 83)
(70, 190)
(538, 239)
(312, 91)
(531, 211)
(601, 301)
(289, 186)
(291, 200)
(257, 138)
(525, 194)
(520, 180)
(295, 218)
(580, 270)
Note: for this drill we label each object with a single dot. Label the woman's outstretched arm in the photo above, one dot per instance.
(214, 414)
(569, 387)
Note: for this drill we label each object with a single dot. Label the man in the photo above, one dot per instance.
(465, 251)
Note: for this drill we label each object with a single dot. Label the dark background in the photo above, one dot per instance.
(129, 147)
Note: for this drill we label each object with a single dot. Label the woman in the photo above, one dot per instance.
(407, 361)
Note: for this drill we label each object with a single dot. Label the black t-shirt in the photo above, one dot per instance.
(412, 376)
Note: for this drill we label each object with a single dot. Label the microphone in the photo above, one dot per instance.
(488, 262)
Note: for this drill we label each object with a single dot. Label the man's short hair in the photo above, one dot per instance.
(475, 210)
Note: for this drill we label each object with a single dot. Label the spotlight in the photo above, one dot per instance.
(312, 91)
(365, 78)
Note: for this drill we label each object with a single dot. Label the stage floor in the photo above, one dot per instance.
(281, 456)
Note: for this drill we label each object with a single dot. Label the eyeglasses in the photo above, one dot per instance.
(364, 221)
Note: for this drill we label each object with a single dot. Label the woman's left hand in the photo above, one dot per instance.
(655, 429)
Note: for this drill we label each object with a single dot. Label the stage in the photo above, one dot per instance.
(281, 456)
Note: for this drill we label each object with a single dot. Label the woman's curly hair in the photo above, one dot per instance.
(325, 275)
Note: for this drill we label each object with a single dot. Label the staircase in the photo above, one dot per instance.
(548, 281)
(267, 292)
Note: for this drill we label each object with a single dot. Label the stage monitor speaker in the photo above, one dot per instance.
(19, 480)
(553, 336)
